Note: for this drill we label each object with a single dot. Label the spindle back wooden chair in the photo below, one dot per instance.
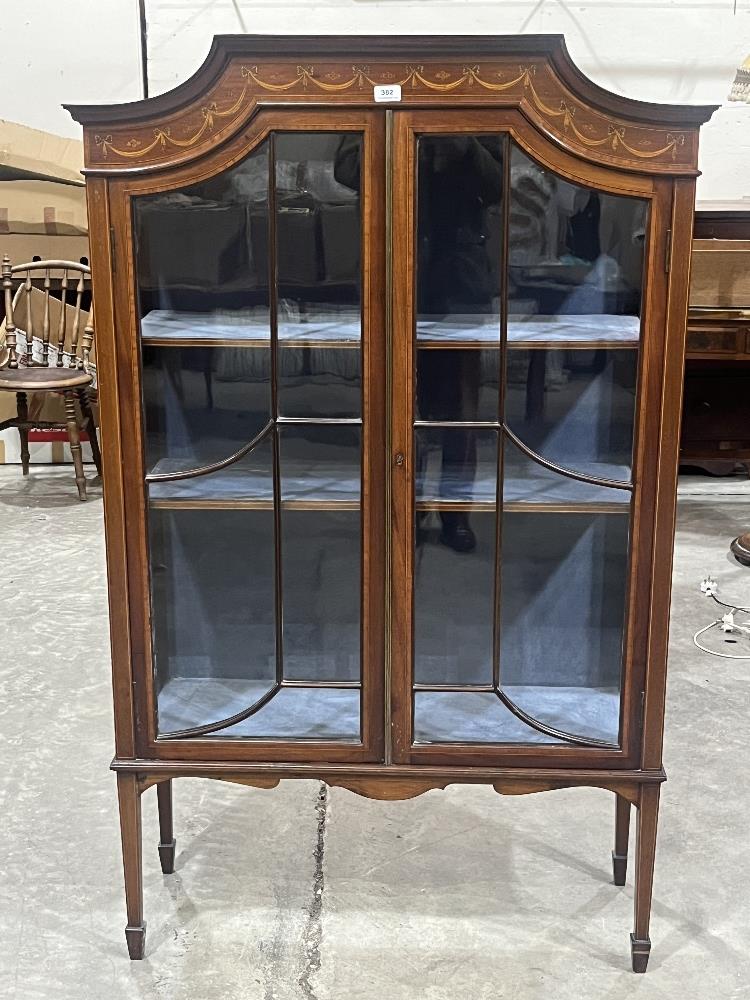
(50, 361)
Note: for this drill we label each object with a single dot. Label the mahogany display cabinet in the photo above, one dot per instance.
(391, 338)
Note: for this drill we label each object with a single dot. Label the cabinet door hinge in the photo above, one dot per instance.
(112, 257)
(668, 252)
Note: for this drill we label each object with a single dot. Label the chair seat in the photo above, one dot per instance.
(42, 379)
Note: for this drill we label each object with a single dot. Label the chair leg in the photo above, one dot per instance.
(645, 850)
(90, 427)
(74, 437)
(622, 833)
(129, 796)
(167, 842)
(23, 415)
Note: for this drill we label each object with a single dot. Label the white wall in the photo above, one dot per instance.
(66, 50)
(660, 50)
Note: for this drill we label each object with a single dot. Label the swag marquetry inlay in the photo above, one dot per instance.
(536, 86)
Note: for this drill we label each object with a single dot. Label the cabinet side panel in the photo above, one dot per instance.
(131, 457)
(113, 468)
(683, 206)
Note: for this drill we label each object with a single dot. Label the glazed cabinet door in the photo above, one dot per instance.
(257, 292)
(515, 409)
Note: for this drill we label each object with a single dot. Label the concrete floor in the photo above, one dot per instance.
(456, 894)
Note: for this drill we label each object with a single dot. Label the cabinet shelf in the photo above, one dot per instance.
(477, 507)
(248, 503)
(526, 507)
(303, 488)
(248, 329)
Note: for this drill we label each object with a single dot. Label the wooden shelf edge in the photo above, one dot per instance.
(327, 345)
(479, 506)
(427, 345)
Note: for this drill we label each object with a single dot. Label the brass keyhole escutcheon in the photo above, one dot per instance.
(399, 458)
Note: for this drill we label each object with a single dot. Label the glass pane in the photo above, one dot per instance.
(212, 594)
(320, 382)
(293, 713)
(248, 482)
(453, 597)
(459, 252)
(455, 555)
(321, 545)
(563, 590)
(527, 484)
(575, 408)
(318, 232)
(321, 593)
(202, 404)
(455, 465)
(202, 270)
(469, 717)
(574, 301)
(320, 462)
(457, 384)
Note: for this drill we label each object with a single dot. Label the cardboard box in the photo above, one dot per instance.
(29, 152)
(42, 215)
(42, 196)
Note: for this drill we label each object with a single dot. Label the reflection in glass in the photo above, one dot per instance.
(563, 590)
(318, 262)
(202, 404)
(321, 551)
(469, 717)
(320, 381)
(293, 713)
(202, 265)
(247, 482)
(459, 241)
(462, 385)
(574, 300)
(526, 482)
(202, 251)
(455, 555)
(321, 462)
(575, 408)
(453, 600)
(573, 250)
(212, 596)
(455, 465)
(321, 594)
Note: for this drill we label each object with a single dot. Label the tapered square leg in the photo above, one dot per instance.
(129, 796)
(639, 952)
(136, 941)
(622, 834)
(645, 852)
(167, 843)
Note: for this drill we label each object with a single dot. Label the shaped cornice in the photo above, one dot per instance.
(531, 72)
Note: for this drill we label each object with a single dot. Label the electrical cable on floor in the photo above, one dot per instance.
(726, 623)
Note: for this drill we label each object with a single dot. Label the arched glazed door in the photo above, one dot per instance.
(258, 300)
(519, 292)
